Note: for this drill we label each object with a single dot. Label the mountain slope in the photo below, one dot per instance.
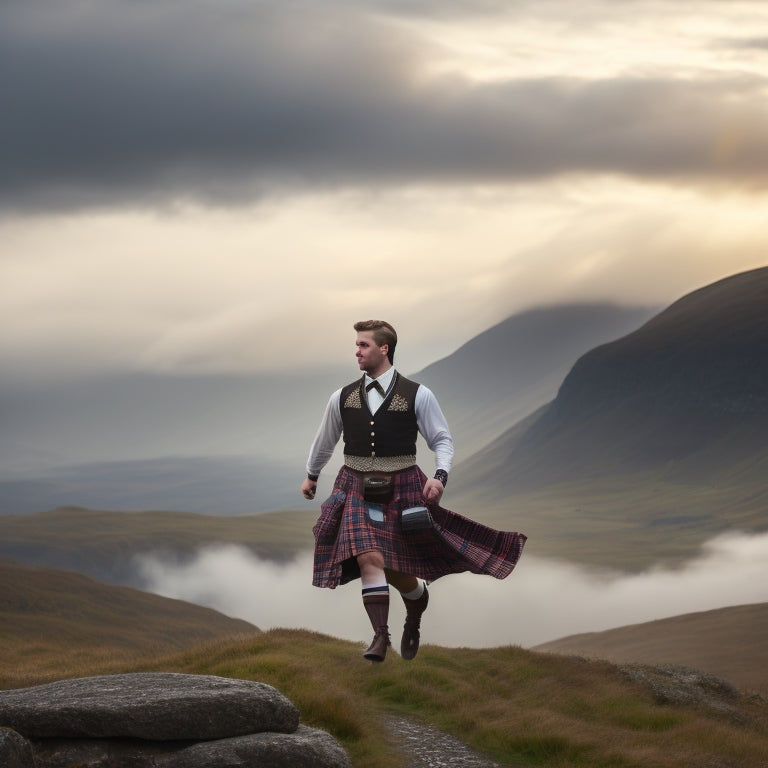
(45, 611)
(508, 371)
(731, 643)
(690, 386)
(655, 442)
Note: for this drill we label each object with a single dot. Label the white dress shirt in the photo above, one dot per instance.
(429, 418)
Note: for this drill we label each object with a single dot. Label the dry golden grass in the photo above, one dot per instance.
(522, 708)
(519, 707)
(50, 617)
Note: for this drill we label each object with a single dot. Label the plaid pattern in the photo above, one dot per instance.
(454, 544)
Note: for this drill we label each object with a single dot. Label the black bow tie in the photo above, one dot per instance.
(375, 385)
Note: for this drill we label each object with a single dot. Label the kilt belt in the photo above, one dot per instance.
(386, 464)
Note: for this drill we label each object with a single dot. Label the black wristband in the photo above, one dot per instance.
(313, 478)
(442, 476)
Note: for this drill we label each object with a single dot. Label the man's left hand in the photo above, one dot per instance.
(433, 491)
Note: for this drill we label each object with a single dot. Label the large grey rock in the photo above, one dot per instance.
(156, 706)
(15, 750)
(306, 748)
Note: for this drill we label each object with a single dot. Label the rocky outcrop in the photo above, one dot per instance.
(158, 720)
(674, 684)
(158, 706)
(15, 750)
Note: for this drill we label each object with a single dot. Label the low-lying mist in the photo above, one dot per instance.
(542, 600)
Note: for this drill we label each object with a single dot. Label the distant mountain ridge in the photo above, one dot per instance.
(505, 373)
(687, 390)
(656, 442)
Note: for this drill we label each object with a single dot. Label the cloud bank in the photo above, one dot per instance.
(141, 104)
(541, 601)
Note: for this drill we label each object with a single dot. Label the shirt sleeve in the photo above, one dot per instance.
(328, 434)
(434, 428)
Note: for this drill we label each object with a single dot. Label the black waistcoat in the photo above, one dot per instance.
(391, 431)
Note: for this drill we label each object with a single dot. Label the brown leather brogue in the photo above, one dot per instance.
(409, 645)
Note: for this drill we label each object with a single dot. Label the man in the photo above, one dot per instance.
(362, 530)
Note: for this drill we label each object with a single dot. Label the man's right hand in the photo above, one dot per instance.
(308, 489)
(433, 491)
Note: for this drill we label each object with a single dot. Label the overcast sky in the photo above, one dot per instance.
(226, 185)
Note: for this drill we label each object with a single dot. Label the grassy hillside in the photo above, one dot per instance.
(52, 621)
(103, 544)
(731, 643)
(519, 707)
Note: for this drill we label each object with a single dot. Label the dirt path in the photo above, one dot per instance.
(429, 748)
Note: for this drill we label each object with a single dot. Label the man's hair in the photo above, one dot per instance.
(383, 333)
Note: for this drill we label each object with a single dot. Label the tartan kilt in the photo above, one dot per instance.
(454, 544)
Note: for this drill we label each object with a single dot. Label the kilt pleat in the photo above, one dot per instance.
(454, 544)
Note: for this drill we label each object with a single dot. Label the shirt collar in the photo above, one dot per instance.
(385, 379)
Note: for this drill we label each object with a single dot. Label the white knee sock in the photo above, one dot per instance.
(375, 584)
(414, 594)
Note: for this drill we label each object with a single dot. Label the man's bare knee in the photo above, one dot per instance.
(373, 558)
(370, 561)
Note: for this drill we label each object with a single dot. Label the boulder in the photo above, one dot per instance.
(153, 706)
(306, 748)
(15, 750)
(159, 720)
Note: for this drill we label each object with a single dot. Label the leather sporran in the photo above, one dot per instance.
(415, 519)
(378, 489)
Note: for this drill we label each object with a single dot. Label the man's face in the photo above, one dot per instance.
(371, 358)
